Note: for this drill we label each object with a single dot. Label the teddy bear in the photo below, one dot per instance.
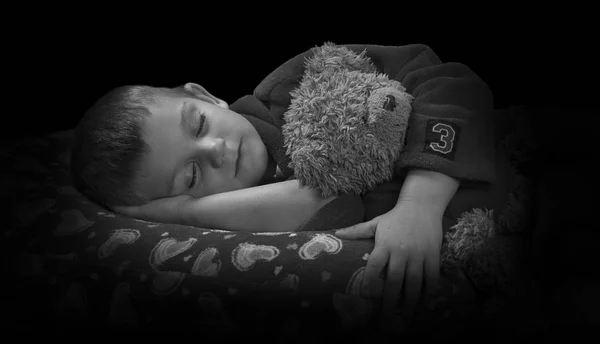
(344, 130)
(342, 93)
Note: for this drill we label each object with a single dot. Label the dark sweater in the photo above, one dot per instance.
(450, 130)
(450, 127)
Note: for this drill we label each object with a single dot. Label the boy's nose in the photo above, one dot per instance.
(214, 150)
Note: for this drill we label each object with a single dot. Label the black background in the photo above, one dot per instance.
(62, 61)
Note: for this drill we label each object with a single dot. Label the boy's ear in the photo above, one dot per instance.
(201, 93)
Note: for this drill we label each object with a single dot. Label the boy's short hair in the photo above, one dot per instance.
(108, 147)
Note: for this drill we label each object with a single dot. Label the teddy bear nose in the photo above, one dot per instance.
(390, 103)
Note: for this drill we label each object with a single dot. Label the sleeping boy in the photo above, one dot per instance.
(182, 155)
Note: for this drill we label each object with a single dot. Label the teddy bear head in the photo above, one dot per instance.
(345, 126)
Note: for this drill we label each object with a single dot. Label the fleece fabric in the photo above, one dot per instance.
(450, 127)
(451, 131)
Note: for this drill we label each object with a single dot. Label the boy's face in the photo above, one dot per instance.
(199, 147)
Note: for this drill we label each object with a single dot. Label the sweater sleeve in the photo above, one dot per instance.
(450, 126)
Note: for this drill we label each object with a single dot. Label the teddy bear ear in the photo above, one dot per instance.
(389, 104)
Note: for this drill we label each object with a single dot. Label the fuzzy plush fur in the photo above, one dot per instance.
(346, 124)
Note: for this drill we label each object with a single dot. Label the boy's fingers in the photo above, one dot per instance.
(432, 273)
(372, 281)
(364, 230)
(393, 285)
(412, 285)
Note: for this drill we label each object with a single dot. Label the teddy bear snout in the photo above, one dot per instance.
(390, 103)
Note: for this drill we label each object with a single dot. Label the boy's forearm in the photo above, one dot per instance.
(276, 207)
(431, 188)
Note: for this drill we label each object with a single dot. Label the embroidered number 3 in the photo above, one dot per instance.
(447, 138)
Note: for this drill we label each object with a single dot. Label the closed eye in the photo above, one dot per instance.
(194, 178)
(201, 126)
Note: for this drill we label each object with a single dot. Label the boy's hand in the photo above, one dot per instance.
(163, 210)
(408, 239)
